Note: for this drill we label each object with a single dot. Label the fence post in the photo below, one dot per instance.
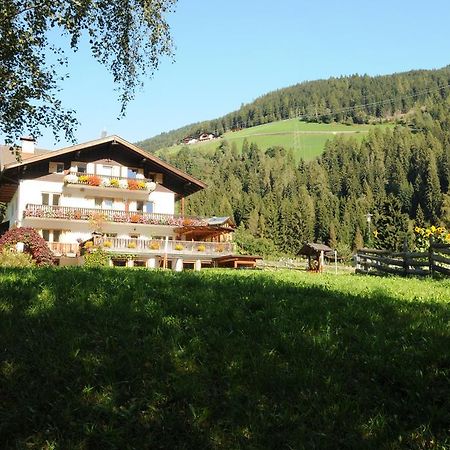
(430, 257)
(405, 257)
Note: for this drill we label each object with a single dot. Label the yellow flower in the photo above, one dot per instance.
(433, 229)
(375, 233)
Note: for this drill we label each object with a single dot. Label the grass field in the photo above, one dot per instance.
(132, 359)
(307, 140)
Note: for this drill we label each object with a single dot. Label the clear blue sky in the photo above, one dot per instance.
(230, 52)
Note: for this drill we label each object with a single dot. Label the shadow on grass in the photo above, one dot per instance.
(147, 360)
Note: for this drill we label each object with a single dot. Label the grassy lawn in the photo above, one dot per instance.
(307, 140)
(132, 359)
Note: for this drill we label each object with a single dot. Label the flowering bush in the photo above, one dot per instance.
(219, 248)
(34, 244)
(131, 244)
(150, 186)
(83, 179)
(424, 235)
(123, 184)
(71, 178)
(94, 180)
(107, 244)
(141, 185)
(178, 247)
(114, 182)
(154, 245)
(106, 182)
(201, 248)
(139, 176)
(88, 244)
(135, 218)
(133, 185)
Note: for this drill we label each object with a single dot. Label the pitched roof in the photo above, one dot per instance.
(313, 248)
(178, 181)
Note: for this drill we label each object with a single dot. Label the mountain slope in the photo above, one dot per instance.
(352, 99)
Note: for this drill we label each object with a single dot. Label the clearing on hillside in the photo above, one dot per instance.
(307, 140)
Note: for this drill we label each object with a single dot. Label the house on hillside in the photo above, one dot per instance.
(206, 137)
(115, 195)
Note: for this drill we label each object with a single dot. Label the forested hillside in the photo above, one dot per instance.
(401, 176)
(351, 99)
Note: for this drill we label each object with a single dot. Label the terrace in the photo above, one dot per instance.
(131, 246)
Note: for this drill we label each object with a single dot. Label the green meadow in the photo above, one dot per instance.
(222, 359)
(306, 140)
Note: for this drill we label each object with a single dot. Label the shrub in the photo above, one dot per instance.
(97, 258)
(83, 179)
(88, 244)
(135, 218)
(114, 182)
(34, 244)
(107, 244)
(201, 248)
(178, 247)
(131, 244)
(11, 258)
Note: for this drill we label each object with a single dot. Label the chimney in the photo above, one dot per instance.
(27, 145)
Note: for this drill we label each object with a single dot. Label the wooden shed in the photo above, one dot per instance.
(316, 254)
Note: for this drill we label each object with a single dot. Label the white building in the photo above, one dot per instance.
(115, 195)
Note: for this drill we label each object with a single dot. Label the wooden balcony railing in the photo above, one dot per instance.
(110, 215)
(63, 249)
(109, 181)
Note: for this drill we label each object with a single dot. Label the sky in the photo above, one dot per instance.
(230, 52)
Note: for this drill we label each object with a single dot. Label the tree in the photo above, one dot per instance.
(129, 38)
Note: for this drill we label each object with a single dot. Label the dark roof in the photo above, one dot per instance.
(313, 248)
(175, 179)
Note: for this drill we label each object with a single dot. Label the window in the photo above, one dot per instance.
(106, 170)
(149, 207)
(81, 167)
(55, 201)
(132, 172)
(105, 203)
(134, 235)
(51, 235)
(45, 198)
(140, 206)
(59, 167)
(49, 198)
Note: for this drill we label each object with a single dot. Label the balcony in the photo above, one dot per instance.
(110, 215)
(109, 181)
(161, 246)
(63, 249)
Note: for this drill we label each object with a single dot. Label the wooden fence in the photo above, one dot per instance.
(436, 260)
